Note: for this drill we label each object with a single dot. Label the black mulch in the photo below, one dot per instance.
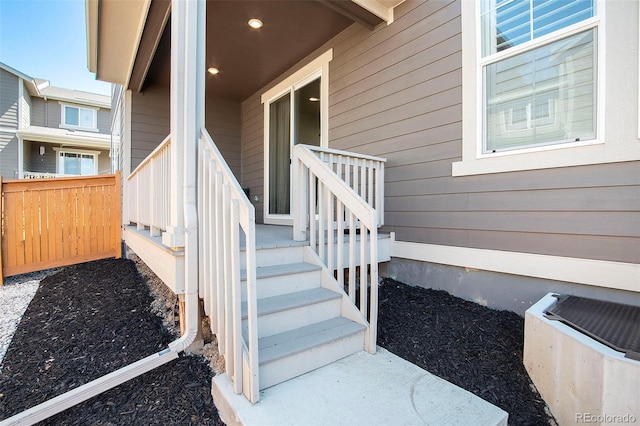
(91, 319)
(474, 347)
(87, 321)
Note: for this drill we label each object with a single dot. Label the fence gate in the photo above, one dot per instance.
(48, 223)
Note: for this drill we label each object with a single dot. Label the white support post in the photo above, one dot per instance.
(300, 213)
(174, 235)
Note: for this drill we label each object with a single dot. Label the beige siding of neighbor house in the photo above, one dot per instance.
(48, 113)
(8, 124)
(396, 92)
(104, 121)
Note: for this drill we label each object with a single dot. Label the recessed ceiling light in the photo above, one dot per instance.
(255, 23)
(213, 70)
(314, 99)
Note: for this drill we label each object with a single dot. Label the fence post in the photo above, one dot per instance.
(118, 210)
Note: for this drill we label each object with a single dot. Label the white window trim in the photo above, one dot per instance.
(95, 155)
(319, 67)
(63, 125)
(474, 162)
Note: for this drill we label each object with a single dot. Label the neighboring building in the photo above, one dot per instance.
(48, 131)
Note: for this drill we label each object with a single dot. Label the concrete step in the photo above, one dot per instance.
(276, 280)
(360, 389)
(286, 312)
(292, 353)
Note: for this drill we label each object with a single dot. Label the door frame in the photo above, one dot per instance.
(318, 67)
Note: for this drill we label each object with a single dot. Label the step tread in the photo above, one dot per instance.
(280, 345)
(278, 270)
(273, 304)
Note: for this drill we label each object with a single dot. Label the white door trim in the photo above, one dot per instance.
(318, 67)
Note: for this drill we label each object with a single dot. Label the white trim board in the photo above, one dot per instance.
(601, 273)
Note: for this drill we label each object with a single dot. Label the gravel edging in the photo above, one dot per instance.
(87, 321)
(15, 296)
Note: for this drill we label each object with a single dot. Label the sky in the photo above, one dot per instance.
(47, 39)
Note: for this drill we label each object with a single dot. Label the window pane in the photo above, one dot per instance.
(86, 118)
(550, 15)
(87, 167)
(543, 96)
(71, 116)
(71, 163)
(509, 23)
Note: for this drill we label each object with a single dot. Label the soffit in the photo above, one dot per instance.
(249, 59)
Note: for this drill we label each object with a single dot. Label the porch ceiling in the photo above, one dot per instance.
(248, 59)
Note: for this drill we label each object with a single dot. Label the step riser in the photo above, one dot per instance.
(279, 322)
(275, 256)
(284, 284)
(292, 366)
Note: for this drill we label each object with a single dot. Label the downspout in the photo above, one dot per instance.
(185, 13)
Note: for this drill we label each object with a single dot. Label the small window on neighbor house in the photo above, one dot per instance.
(77, 163)
(85, 118)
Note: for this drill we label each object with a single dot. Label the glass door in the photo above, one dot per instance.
(293, 118)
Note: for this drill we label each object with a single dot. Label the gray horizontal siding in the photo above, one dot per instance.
(222, 121)
(39, 112)
(8, 100)
(150, 122)
(104, 121)
(396, 92)
(252, 152)
(8, 155)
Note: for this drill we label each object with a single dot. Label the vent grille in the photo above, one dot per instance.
(613, 324)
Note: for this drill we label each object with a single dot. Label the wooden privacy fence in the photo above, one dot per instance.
(48, 223)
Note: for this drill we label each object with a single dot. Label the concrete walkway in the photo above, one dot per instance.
(361, 389)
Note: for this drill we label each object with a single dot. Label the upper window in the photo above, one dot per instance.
(539, 73)
(78, 117)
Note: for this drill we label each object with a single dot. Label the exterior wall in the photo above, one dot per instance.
(396, 92)
(252, 151)
(150, 125)
(48, 113)
(8, 124)
(47, 163)
(39, 112)
(493, 289)
(25, 105)
(222, 121)
(150, 122)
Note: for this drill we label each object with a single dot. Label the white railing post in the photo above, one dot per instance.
(299, 201)
(223, 211)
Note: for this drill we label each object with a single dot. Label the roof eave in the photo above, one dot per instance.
(114, 30)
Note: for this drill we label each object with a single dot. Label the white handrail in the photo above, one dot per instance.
(223, 211)
(147, 190)
(363, 173)
(327, 208)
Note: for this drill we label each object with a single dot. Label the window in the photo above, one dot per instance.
(541, 79)
(77, 163)
(547, 93)
(78, 117)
